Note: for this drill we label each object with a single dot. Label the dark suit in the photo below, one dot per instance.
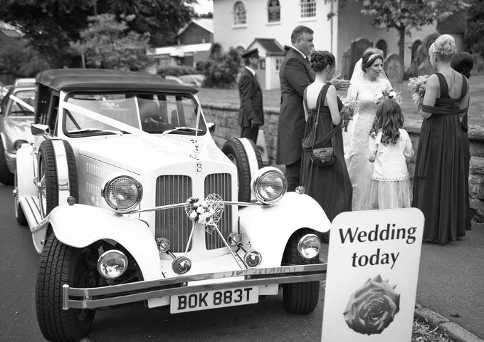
(251, 113)
(295, 75)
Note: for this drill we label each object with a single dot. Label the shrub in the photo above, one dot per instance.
(221, 70)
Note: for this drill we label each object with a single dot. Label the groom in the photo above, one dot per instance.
(295, 75)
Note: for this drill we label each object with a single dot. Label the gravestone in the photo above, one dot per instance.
(393, 68)
(357, 48)
(422, 59)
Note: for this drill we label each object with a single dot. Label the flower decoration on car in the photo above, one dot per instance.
(416, 85)
(206, 211)
(372, 308)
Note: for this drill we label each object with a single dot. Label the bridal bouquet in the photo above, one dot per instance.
(416, 85)
(348, 111)
(388, 94)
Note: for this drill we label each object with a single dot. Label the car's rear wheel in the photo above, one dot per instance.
(61, 264)
(242, 155)
(48, 181)
(6, 177)
(299, 298)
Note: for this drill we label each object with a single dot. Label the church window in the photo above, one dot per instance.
(240, 14)
(273, 11)
(308, 8)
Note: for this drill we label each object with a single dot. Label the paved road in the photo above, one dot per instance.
(266, 321)
(451, 282)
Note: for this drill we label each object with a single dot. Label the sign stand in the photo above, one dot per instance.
(371, 282)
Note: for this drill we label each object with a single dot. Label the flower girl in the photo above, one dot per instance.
(389, 147)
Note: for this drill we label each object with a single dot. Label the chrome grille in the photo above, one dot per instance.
(173, 224)
(221, 184)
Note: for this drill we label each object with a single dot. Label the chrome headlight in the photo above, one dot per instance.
(112, 264)
(123, 193)
(269, 185)
(309, 246)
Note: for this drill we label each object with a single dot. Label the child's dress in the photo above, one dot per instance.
(390, 182)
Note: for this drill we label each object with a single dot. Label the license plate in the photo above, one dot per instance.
(213, 299)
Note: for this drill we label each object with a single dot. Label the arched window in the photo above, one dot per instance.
(416, 44)
(382, 45)
(240, 14)
(273, 11)
(308, 8)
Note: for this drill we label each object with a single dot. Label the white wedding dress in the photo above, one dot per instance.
(355, 139)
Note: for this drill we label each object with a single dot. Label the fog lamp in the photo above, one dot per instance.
(252, 258)
(163, 244)
(234, 239)
(181, 265)
(112, 264)
(309, 246)
(17, 144)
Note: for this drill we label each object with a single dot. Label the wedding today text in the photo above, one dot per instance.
(380, 256)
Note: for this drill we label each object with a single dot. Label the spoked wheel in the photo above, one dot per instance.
(235, 150)
(48, 187)
(19, 213)
(61, 264)
(299, 298)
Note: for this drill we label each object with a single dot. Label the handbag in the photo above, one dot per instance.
(322, 156)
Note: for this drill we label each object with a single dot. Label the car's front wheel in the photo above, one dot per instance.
(61, 264)
(299, 298)
(6, 177)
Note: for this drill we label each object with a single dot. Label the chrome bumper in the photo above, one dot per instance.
(97, 297)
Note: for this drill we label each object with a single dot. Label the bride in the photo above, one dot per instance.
(367, 84)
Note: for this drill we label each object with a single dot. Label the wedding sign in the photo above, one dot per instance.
(371, 281)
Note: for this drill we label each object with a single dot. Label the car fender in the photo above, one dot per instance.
(268, 228)
(25, 171)
(80, 225)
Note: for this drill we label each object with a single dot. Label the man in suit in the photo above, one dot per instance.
(295, 75)
(251, 114)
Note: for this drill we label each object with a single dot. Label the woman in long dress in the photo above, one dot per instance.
(440, 184)
(329, 185)
(365, 90)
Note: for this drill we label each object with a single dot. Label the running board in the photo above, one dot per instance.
(31, 208)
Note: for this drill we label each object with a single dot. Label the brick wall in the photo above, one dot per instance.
(226, 119)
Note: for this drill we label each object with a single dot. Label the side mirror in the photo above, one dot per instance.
(39, 129)
(211, 127)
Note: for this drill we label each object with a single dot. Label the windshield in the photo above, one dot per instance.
(152, 112)
(18, 108)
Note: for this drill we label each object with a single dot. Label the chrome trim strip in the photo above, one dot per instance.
(151, 289)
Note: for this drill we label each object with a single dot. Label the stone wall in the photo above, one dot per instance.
(226, 119)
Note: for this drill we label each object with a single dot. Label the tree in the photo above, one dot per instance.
(403, 15)
(108, 43)
(475, 27)
(19, 58)
(51, 25)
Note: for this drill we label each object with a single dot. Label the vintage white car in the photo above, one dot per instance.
(16, 115)
(129, 199)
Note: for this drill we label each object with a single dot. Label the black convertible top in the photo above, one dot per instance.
(106, 79)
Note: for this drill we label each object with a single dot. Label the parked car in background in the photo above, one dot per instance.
(193, 80)
(129, 199)
(15, 119)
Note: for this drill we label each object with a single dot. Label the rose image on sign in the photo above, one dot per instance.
(372, 307)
